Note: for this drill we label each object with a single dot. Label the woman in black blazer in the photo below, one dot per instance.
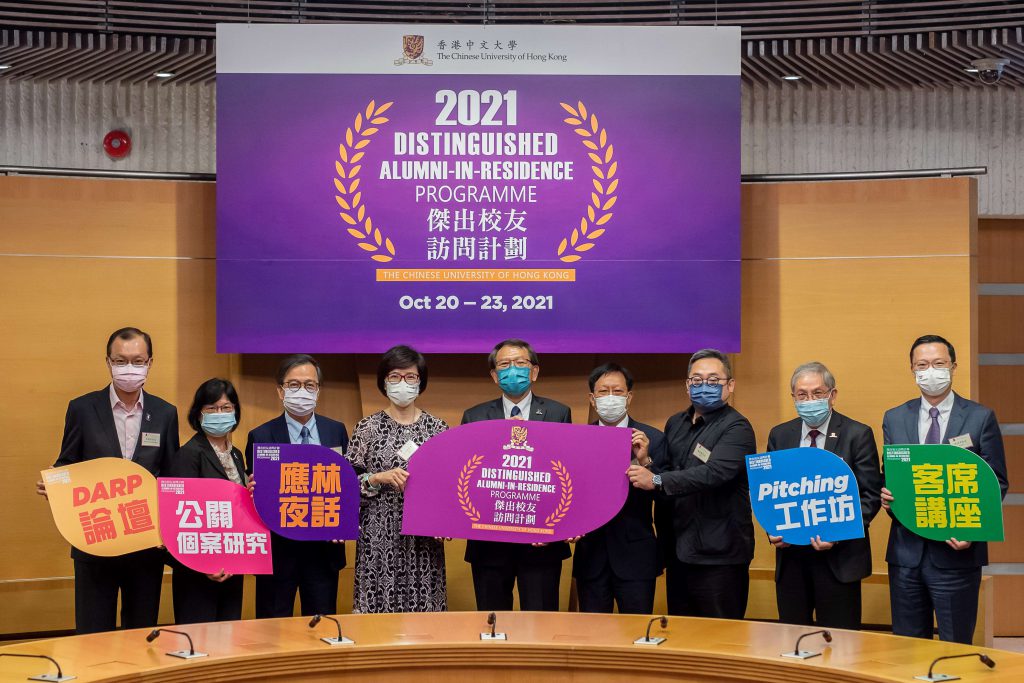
(214, 415)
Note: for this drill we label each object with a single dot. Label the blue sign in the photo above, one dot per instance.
(801, 493)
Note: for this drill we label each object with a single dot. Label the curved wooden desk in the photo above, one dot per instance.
(540, 647)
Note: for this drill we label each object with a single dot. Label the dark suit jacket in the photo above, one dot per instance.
(626, 541)
(89, 433)
(900, 426)
(494, 554)
(332, 434)
(197, 459)
(854, 442)
(712, 520)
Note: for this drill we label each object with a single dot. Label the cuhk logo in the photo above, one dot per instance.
(412, 48)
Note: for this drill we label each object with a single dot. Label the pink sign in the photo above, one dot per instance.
(516, 481)
(211, 525)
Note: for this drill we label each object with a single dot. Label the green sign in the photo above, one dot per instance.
(941, 492)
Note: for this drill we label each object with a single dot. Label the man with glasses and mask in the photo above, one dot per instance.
(933, 579)
(309, 568)
(820, 583)
(708, 575)
(498, 567)
(619, 563)
(120, 421)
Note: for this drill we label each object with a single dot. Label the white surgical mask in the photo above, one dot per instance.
(933, 381)
(402, 393)
(129, 378)
(299, 401)
(611, 409)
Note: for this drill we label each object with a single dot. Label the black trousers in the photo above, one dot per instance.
(707, 590)
(602, 592)
(537, 582)
(299, 567)
(808, 592)
(199, 600)
(98, 580)
(916, 593)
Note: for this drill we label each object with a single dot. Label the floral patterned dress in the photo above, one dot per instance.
(394, 573)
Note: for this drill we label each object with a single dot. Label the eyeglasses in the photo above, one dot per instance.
(410, 378)
(610, 392)
(696, 381)
(937, 364)
(814, 396)
(213, 410)
(124, 362)
(309, 386)
(506, 364)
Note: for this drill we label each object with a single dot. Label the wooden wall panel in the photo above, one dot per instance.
(1014, 445)
(1009, 606)
(1000, 390)
(831, 271)
(1000, 246)
(999, 328)
(1011, 549)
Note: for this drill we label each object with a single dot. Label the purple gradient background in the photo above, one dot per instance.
(665, 276)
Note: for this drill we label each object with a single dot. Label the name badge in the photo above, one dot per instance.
(151, 439)
(963, 441)
(701, 453)
(406, 451)
(339, 450)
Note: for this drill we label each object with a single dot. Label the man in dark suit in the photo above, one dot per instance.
(620, 562)
(927, 577)
(497, 567)
(822, 580)
(307, 567)
(707, 446)
(120, 421)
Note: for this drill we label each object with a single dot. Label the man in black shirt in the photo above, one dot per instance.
(714, 534)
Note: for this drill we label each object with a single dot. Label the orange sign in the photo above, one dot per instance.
(106, 506)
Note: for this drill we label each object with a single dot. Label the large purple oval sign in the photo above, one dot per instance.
(517, 481)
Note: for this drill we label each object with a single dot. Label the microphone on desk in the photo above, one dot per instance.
(797, 653)
(340, 640)
(492, 621)
(657, 640)
(930, 676)
(181, 654)
(42, 677)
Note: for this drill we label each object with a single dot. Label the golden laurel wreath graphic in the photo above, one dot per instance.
(565, 501)
(605, 183)
(349, 197)
(462, 487)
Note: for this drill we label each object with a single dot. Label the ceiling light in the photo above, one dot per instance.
(791, 77)
(164, 74)
(971, 70)
(5, 66)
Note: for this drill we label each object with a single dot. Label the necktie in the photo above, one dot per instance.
(934, 430)
(814, 434)
(304, 435)
(516, 412)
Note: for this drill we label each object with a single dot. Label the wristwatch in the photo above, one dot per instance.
(657, 482)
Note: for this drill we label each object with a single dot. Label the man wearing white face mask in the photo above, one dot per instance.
(309, 568)
(820, 583)
(620, 562)
(120, 421)
(929, 578)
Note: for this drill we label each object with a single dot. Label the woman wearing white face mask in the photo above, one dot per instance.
(394, 573)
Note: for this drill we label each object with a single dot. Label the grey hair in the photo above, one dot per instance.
(818, 369)
(710, 353)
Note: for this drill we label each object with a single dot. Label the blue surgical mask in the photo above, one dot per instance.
(218, 424)
(813, 412)
(514, 381)
(707, 397)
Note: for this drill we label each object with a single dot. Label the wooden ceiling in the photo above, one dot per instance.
(829, 43)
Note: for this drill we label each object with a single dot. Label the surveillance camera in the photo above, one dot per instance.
(989, 70)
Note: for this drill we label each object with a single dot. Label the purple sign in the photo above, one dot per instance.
(462, 199)
(516, 481)
(306, 492)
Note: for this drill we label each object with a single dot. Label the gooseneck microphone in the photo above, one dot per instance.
(797, 653)
(182, 654)
(492, 621)
(42, 677)
(340, 640)
(657, 640)
(931, 676)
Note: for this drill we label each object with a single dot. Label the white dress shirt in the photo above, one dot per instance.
(127, 422)
(524, 406)
(924, 421)
(805, 433)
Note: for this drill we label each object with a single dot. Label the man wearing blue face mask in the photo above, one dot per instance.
(708, 576)
(498, 567)
(820, 583)
(931, 579)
